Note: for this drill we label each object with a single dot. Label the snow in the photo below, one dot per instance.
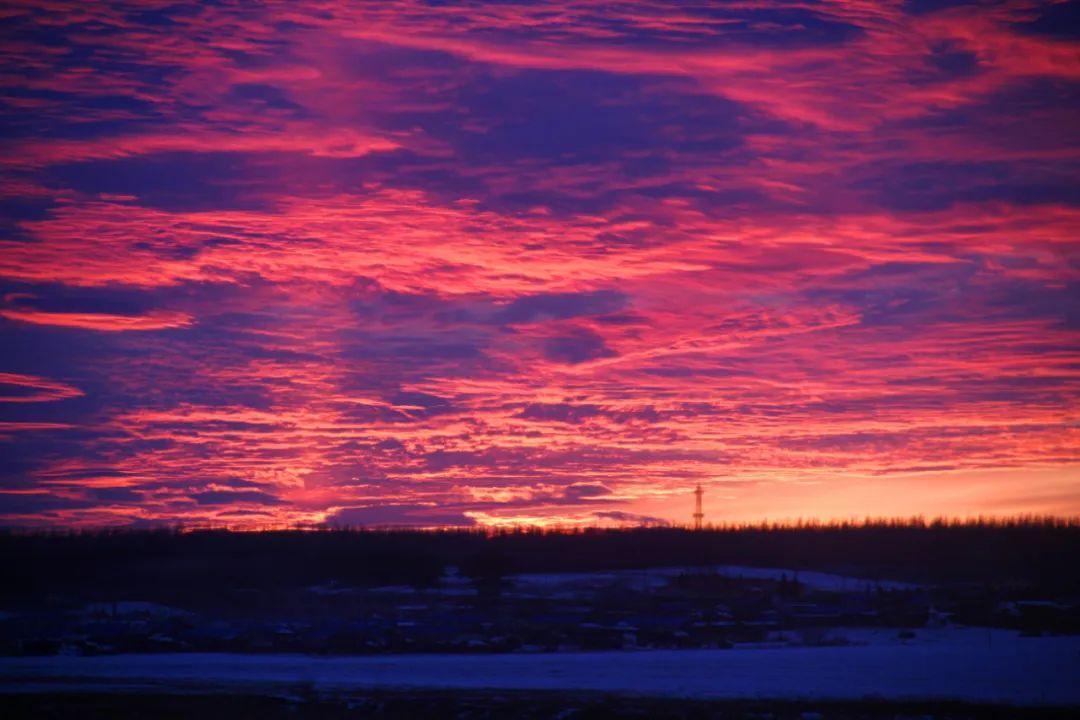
(658, 577)
(572, 585)
(133, 608)
(816, 580)
(976, 665)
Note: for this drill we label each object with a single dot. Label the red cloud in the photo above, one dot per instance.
(159, 320)
(451, 265)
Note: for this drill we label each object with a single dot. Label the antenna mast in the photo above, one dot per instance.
(699, 516)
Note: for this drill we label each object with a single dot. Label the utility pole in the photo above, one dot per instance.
(699, 516)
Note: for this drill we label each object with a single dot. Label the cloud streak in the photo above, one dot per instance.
(405, 263)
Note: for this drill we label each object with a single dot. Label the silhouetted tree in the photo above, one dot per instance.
(488, 570)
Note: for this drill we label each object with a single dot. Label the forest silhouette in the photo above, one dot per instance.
(1036, 553)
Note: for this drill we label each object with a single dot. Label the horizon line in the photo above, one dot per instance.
(897, 521)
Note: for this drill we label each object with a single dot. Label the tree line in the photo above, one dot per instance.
(1038, 553)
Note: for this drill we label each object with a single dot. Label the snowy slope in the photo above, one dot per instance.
(973, 664)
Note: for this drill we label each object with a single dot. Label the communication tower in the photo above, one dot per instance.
(699, 516)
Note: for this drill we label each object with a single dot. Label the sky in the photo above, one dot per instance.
(493, 263)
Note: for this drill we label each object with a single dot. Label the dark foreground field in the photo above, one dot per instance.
(878, 620)
(481, 705)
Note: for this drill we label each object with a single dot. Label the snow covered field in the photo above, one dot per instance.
(652, 578)
(975, 665)
(571, 585)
